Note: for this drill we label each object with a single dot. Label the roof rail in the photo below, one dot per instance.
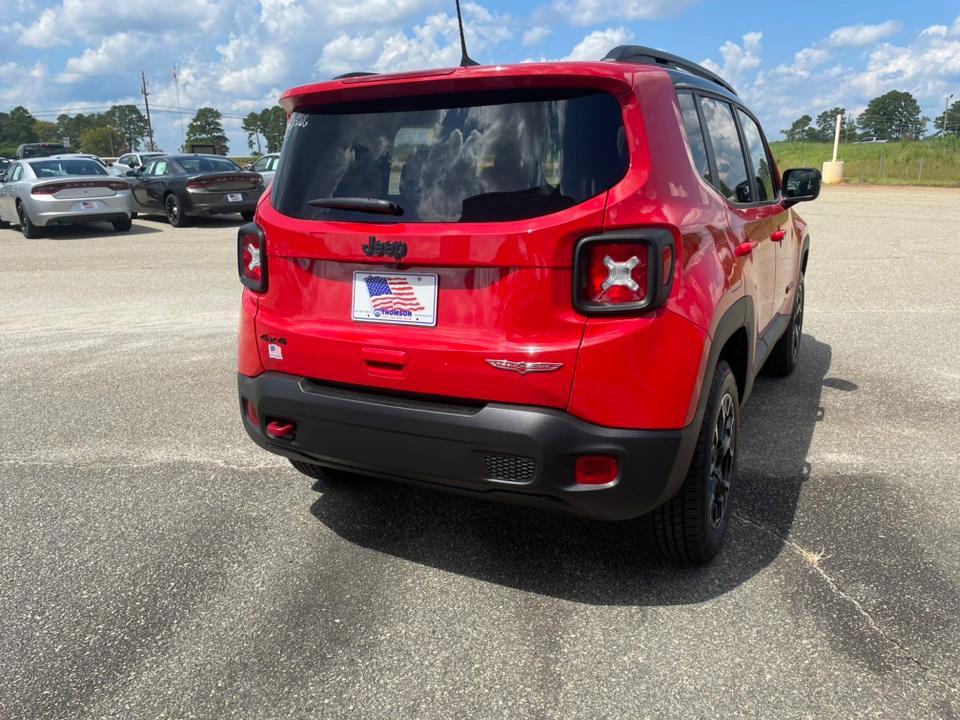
(649, 56)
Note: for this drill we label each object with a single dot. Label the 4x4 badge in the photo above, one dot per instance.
(525, 367)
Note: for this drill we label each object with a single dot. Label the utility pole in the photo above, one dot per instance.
(143, 91)
(176, 82)
(946, 109)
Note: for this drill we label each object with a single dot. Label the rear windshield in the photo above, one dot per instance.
(202, 164)
(59, 168)
(478, 157)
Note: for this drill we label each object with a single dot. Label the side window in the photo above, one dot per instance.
(134, 161)
(733, 181)
(766, 190)
(159, 168)
(691, 123)
(17, 173)
(148, 168)
(274, 161)
(262, 164)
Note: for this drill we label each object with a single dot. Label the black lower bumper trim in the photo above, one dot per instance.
(512, 453)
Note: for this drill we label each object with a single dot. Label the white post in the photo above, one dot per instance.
(833, 171)
(836, 138)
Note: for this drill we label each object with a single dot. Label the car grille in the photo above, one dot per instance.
(511, 468)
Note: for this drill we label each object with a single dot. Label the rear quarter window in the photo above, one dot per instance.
(733, 181)
(477, 157)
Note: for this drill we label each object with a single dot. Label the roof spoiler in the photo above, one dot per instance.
(649, 56)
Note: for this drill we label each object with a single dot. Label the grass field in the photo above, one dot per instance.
(882, 163)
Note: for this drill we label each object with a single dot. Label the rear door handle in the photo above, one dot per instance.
(778, 235)
(744, 248)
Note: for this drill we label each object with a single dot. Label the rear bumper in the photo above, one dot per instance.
(512, 453)
(47, 212)
(215, 203)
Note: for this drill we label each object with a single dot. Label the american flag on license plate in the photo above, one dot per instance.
(392, 294)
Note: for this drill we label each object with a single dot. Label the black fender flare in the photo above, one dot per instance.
(738, 316)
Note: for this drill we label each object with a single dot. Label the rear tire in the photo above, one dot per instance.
(783, 357)
(123, 225)
(174, 210)
(247, 215)
(691, 527)
(29, 230)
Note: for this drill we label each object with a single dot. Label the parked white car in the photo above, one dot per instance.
(130, 162)
(266, 165)
(41, 192)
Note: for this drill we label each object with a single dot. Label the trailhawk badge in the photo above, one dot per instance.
(525, 367)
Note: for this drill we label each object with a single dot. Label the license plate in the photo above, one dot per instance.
(87, 205)
(398, 298)
(234, 197)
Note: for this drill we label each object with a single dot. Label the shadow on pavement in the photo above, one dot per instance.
(91, 230)
(593, 562)
(218, 221)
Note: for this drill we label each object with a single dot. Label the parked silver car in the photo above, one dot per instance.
(266, 165)
(41, 192)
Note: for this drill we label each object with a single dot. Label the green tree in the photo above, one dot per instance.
(102, 140)
(206, 128)
(130, 123)
(948, 122)
(273, 126)
(73, 127)
(801, 130)
(251, 126)
(20, 127)
(893, 116)
(47, 131)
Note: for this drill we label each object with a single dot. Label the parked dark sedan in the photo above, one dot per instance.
(185, 186)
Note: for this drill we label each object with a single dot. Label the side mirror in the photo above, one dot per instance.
(800, 185)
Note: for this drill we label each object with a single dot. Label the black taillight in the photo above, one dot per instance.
(623, 271)
(252, 257)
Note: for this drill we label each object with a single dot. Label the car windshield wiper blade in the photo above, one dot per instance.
(359, 204)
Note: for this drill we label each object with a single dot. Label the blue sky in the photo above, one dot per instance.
(238, 55)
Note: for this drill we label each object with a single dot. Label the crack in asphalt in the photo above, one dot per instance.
(801, 552)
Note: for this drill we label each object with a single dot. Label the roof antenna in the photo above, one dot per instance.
(465, 60)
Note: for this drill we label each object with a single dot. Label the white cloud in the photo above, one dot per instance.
(595, 45)
(95, 19)
(862, 35)
(738, 59)
(535, 35)
(21, 84)
(114, 55)
(590, 12)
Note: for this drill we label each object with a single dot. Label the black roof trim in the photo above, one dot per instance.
(649, 56)
(358, 73)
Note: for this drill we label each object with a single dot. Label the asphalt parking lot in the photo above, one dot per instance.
(155, 563)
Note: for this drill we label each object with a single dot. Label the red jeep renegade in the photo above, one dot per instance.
(548, 284)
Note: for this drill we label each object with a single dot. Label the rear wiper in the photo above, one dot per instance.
(359, 204)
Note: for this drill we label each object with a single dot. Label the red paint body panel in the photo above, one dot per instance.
(505, 288)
